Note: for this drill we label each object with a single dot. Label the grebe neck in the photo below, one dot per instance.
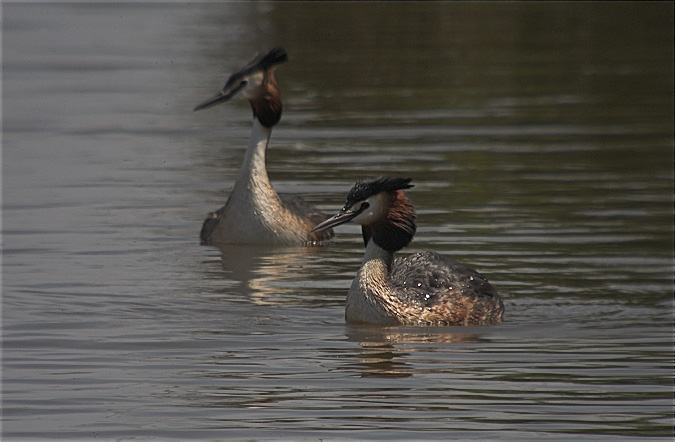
(378, 256)
(257, 212)
(253, 173)
(371, 298)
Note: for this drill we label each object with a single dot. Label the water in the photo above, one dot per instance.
(540, 140)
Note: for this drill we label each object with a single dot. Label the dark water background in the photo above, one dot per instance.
(540, 139)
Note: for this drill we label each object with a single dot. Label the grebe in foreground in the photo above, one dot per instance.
(422, 289)
(255, 213)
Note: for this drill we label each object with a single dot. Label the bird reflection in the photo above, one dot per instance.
(379, 354)
(268, 274)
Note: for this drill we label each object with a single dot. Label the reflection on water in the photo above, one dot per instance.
(382, 355)
(270, 275)
(540, 139)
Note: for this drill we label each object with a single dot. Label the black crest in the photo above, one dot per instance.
(274, 57)
(364, 189)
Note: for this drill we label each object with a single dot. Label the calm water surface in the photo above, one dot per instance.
(540, 139)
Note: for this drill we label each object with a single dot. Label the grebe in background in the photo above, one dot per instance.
(422, 289)
(255, 213)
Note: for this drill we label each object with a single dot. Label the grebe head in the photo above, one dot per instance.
(383, 210)
(256, 82)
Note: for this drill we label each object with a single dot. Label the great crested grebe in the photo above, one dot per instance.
(422, 289)
(255, 213)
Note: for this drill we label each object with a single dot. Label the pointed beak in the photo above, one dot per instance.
(341, 217)
(220, 97)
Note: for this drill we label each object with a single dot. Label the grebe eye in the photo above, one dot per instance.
(243, 83)
(364, 205)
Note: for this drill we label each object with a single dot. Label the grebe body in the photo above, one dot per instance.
(421, 289)
(255, 213)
